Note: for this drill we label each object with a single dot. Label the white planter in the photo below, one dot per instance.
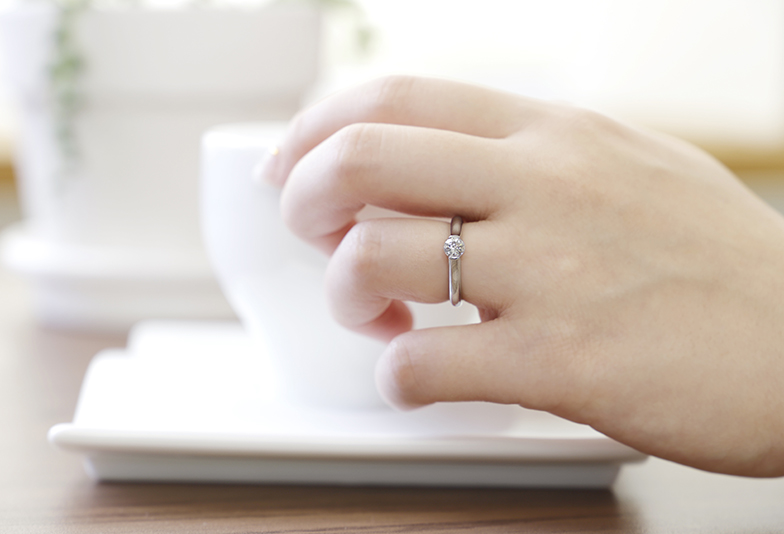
(155, 79)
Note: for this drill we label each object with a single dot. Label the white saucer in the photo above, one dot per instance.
(194, 402)
(111, 288)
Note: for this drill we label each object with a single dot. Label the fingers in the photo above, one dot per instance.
(456, 363)
(412, 170)
(383, 261)
(394, 320)
(430, 103)
(504, 360)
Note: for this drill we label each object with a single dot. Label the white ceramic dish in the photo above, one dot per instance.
(111, 288)
(194, 402)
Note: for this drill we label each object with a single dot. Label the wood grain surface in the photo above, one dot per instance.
(43, 490)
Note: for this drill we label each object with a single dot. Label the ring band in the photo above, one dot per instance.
(454, 248)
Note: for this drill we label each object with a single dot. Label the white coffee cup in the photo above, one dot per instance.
(274, 281)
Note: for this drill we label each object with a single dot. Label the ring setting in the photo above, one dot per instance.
(454, 248)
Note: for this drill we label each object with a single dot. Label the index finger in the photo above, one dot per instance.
(403, 100)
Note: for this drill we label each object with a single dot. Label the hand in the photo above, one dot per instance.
(625, 279)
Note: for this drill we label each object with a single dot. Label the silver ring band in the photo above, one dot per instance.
(456, 226)
(454, 248)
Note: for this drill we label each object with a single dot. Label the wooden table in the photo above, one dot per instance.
(43, 490)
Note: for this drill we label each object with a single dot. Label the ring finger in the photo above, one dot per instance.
(381, 262)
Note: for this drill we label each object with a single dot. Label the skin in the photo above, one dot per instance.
(625, 279)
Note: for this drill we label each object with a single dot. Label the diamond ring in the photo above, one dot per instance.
(454, 248)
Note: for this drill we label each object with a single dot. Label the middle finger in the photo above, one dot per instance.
(412, 170)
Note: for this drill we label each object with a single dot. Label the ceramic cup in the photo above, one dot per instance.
(274, 281)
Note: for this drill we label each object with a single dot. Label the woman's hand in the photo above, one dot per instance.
(625, 279)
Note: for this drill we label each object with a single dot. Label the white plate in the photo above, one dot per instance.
(194, 402)
(111, 288)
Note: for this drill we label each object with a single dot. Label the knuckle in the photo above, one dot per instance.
(588, 138)
(403, 371)
(356, 149)
(361, 251)
(289, 210)
(586, 122)
(297, 124)
(390, 93)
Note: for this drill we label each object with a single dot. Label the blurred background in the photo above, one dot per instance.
(710, 71)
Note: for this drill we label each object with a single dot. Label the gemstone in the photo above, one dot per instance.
(454, 247)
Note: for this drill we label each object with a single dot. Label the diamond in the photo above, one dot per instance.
(454, 247)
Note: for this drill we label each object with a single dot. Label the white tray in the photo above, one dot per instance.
(194, 402)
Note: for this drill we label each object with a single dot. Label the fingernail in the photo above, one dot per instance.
(264, 171)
